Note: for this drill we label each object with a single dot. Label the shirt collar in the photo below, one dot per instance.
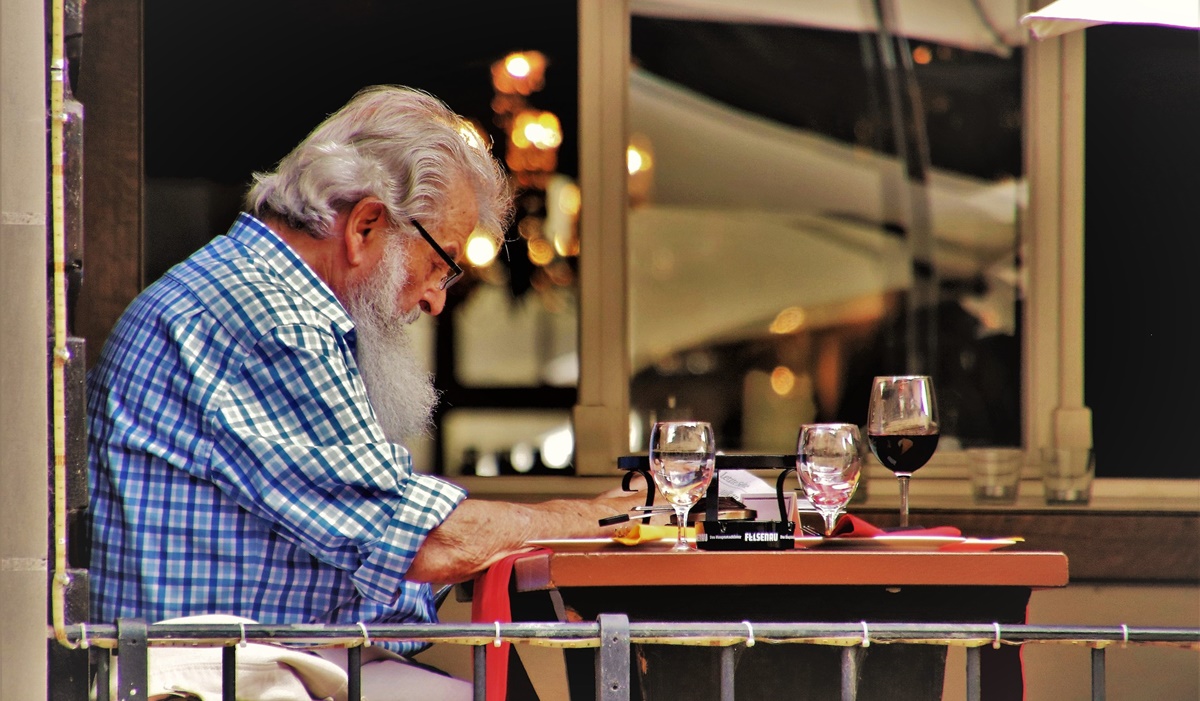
(249, 231)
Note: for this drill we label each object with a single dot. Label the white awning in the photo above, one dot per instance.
(1068, 15)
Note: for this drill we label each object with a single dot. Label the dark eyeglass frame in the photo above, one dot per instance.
(456, 271)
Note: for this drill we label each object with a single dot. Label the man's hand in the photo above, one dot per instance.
(479, 533)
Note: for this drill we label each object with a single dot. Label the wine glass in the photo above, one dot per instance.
(902, 427)
(682, 454)
(828, 463)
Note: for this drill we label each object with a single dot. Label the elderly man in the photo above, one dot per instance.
(247, 410)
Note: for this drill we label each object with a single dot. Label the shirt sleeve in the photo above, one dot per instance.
(299, 446)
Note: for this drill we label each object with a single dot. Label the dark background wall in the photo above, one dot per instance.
(232, 86)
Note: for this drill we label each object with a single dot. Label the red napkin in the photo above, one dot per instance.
(490, 603)
(849, 526)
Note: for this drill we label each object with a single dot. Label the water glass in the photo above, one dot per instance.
(829, 463)
(1067, 475)
(995, 474)
(682, 458)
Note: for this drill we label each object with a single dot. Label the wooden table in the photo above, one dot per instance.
(819, 585)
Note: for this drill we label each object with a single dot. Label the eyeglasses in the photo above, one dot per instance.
(455, 271)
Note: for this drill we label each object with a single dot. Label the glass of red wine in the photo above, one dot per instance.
(902, 427)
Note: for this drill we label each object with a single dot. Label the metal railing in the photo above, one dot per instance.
(612, 636)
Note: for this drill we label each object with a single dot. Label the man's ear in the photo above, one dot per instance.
(364, 228)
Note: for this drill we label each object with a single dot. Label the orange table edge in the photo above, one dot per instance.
(612, 568)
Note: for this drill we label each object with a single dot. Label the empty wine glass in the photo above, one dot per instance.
(682, 454)
(828, 463)
(902, 427)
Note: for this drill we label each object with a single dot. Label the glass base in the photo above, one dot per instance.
(995, 493)
(1066, 497)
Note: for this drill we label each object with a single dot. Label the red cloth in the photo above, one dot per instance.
(489, 603)
(849, 526)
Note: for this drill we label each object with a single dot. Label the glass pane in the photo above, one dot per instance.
(505, 342)
(771, 252)
(491, 442)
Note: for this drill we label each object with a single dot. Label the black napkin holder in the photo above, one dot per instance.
(714, 533)
(745, 535)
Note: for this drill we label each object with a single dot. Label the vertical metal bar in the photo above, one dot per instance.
(612, 658)
(103, 662)
(480, 675)
(1097, 674)
(727, 680)
(229, 673)
(974, 685)
(851, 656)
(131, 659)
(907, 111)
(354, 673)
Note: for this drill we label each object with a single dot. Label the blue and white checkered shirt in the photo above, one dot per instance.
(236, 465)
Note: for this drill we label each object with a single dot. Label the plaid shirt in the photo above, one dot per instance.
(236, 465)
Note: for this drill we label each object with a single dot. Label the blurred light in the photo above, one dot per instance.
(562, 370)
(519, 73)
(537, 129)
(788, 320)
(922, 55)
(533, 141)
(517, 65)
(540, 252)
(566, 246)
(521, 457)
(481, 249)
(639, 161)
(530, 227)
(569, 199)
(562, 214)
(557, 448)
(783, 381)
(487, 465)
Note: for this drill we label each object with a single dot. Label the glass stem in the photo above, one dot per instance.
(903, 498)
(681, 516)
(830, 521)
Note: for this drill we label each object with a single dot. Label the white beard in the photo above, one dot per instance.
(400, 390)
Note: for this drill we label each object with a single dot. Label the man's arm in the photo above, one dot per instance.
(479, 533)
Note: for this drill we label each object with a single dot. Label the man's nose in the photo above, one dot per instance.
(433, 301)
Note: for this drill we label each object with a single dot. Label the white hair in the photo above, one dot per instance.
(398, 144)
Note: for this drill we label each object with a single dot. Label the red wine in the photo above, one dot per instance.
(903, 452)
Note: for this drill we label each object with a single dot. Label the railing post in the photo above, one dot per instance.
(480, 673)
(851, 659)
(229, 673)
(102, 661)
(612, 658)
(727, 679)
(974, 678)
(1097, 674)
(354, 673)
(131, 660)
